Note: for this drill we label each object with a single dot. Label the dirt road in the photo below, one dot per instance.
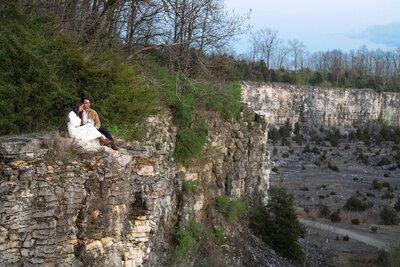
(375, 242)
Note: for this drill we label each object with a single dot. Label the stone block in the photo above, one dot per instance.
(27, 175)
(26, 252)
(107, 241)
(147, 170)
(45, 249)
(130, 263)
(27, 244)
(36, 260)
(43, 234)
(95, 245)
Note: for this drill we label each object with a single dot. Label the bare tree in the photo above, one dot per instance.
(282, 52)
(265, 43)
(297, 50)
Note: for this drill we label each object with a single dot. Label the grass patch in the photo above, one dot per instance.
(191, 186)
(232, 209)
(190, 144)
(190, 238)
(62, 149)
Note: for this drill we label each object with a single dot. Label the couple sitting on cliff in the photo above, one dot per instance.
(84, 125)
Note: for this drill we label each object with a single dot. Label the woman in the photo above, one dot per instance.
(85, 133)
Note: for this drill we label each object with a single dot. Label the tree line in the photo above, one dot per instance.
(192, 35)
(271, 59)
(184, 28)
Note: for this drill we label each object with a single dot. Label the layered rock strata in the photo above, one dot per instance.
(65, 204)
(314, 107)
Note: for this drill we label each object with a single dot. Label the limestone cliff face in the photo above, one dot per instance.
(329, 107)
(107, 208)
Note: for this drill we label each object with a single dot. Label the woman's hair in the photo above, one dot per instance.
(76, 109)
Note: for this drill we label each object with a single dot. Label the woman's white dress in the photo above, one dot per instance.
(86, 133)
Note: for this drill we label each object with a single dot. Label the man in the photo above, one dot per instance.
(91, 114)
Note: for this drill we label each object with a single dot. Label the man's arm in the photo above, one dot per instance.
(97, 123)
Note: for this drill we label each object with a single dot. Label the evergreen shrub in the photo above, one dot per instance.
(277, 223)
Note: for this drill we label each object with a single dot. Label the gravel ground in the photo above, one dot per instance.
(313, 186)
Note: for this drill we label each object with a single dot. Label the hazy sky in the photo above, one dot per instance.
(325, 24)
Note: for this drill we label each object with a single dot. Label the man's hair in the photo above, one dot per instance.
(85, 98)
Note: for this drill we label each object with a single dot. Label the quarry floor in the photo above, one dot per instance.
(313, 186)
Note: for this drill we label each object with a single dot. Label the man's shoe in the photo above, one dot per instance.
(113, 146)
(104, 141)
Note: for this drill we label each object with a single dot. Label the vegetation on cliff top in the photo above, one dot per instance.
(42, 76)
(43, 73)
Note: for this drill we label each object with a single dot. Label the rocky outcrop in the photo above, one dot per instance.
(63, 203)
(96, 208)
(314, 107)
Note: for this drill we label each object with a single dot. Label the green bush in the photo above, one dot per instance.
(315, 150)
(397, 204)
(306, 149)
(389, 216)
(184, 95)
(333, 167)
(390, 133)
(391, 257)
(190, 143)
(236, 210)
(387, 195)
(299, 139)
(335, 217)
(43, 74)
(189, 238)
(334, 139)
(384, 161)
(355, 221)
(363, 158)
(324, 211)
(354, 204)
(285, 130)
(273, 134)
(277, 223)
(185, 243)
(191, 186)
(376, 184)
(316, 79)
(233, 209)
(222, 204)
(32, 95)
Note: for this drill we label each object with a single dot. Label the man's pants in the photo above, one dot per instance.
(106, 133)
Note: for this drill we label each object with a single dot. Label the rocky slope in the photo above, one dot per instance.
(68, 204)
(314, 107)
